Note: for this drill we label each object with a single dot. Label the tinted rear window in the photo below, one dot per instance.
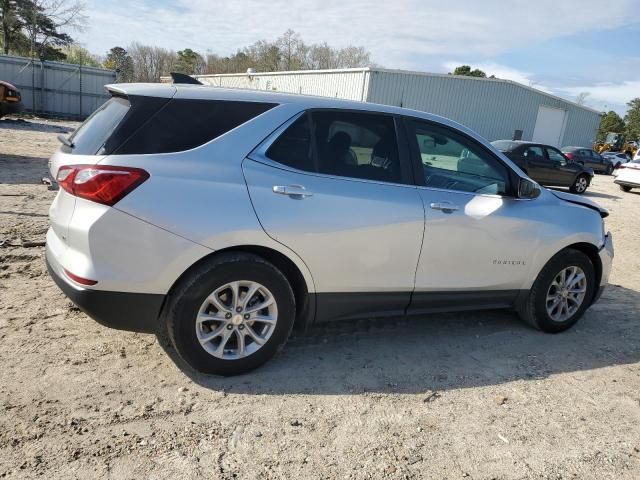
(185, 124)
(142, 125)
(89, 138)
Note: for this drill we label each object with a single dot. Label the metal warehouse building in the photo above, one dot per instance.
(495, 108)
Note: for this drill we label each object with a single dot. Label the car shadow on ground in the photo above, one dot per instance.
(32, 125)
(440, 352)
(22, 169)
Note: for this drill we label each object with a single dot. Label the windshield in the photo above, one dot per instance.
(91, 136)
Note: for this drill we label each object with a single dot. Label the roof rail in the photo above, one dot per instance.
(185, 79)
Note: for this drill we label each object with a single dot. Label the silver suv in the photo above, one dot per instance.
(226, 217)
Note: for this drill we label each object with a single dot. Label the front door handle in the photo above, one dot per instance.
(444, 206)
(295, 191)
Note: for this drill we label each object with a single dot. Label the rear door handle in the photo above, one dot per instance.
(295, 191)
(444, 206)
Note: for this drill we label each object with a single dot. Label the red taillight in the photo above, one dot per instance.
(569, 156)
(100, 183)
(80, 280)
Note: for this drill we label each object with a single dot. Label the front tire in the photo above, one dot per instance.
(231, 314)
(625, 188)
(580, 184)
(561, 293)
(609, 170)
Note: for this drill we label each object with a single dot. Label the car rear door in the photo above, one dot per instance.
(343, 199)
(478, 238)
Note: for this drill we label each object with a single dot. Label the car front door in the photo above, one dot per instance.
(336, 188)
(561, 173)
(537, 164)
(599, 163)
(478, 237)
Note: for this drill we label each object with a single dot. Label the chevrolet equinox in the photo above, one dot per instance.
(224, 217)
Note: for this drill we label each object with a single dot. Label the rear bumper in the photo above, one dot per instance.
(135, 312)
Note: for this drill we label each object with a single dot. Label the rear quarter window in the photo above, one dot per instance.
(183, 124)
(148, 125)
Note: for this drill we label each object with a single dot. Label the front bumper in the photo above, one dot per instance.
(625, 183)
(7, 108)
(606, 259)
(135, 312)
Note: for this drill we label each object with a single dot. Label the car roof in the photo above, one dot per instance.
(7, 84)
(575, 148)
(206, 92)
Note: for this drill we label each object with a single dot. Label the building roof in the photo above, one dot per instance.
(405, 72)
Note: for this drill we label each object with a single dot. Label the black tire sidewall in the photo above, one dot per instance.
(562, 260)
(182, 326)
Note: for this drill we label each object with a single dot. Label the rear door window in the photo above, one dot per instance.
(357, 145)
(533, 153)
(293, 147)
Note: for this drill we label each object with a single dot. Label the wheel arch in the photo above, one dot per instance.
(305, 301)
(591, 251)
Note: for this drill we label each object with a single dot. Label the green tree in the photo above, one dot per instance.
(632, 120)
(610, 122)
(189, 62)
(119, 60)
(79, 55)
(465, 70)
(38, 27)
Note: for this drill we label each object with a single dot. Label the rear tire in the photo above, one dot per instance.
(537, 310)
(609, 170)
(217, 290)
(580, 184)
(625, 188)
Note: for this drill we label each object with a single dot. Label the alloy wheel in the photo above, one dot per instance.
(236, 320)
(581, 184)
(566, 293)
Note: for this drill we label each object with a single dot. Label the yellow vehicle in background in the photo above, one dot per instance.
(615, 142)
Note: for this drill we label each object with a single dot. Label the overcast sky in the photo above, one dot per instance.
(561, 46)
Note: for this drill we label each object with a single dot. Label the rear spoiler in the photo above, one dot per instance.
(184, 79)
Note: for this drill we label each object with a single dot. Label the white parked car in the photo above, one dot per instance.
(616, 159)
(628, 175)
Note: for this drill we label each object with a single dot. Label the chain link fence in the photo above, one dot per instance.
(55, 89)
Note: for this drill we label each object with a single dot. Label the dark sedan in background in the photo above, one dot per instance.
(546, 164)
(589, 158)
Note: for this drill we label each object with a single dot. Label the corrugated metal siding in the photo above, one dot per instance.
(350, 85)
(494, 109)
(58, 89)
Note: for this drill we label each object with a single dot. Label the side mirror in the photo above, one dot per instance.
(528, 189)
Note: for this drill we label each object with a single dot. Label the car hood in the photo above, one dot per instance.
(579, 200)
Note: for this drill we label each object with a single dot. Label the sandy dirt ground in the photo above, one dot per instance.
(474, 395)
